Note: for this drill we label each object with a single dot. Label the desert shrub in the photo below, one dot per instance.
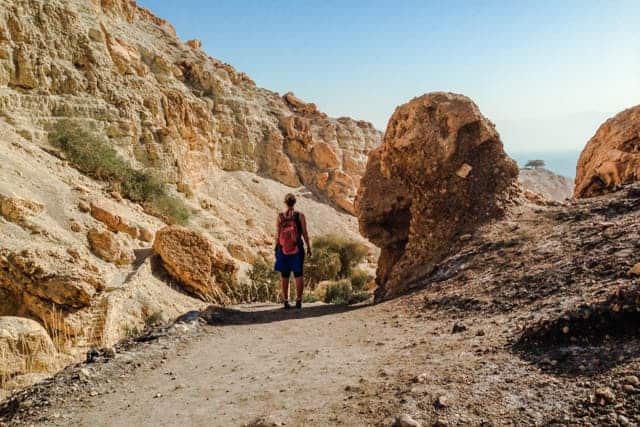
(264, 282)
(321, 265)
(341, 292)
(359, 278)
(350, 252)
(91, 153)
(338, 292)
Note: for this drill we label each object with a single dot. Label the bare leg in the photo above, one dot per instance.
(299, 288)
(285, 288)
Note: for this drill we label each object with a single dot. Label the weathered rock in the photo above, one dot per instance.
(25, 347)
(241, 252)
(49, 275)
(17, 209)
(112, 221)
(108, 247)
(612, 157)
(413, 205)
(192, 259)
(154, 97)
(405, 420)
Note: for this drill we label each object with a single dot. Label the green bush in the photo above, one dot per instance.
(91, 153)
(350, 252)
(264, 282)
(321, 265)
(341, 292)
(359, 279)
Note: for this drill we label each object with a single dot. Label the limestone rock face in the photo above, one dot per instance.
(48, 285)
(165, 103)
(191, 258)
(440, 173)
(17, 210)
(25, 347)
(108, 247)
(612, 157)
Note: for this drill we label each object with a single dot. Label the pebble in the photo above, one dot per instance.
(405, 420)
(420, 379)
(632, 379)
(442, 402)
(606, 394)
(624, 421)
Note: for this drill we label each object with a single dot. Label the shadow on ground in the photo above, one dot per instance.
(216, 315)
(589, 341)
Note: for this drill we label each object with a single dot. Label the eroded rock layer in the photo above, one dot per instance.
(165, 102)
(440, 173)
(612, 157)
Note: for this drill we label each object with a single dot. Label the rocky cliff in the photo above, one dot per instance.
(166, 103)
(76, 256)
(612, 157)
(439, 174)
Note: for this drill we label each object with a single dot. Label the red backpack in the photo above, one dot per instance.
(289, 235)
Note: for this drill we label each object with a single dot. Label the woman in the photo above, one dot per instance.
(291, 229)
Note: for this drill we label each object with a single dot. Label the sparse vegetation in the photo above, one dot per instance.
(91, 153)
(154, 319)
(264, 283)
(341, 292)
(359, 279)
(334, 258)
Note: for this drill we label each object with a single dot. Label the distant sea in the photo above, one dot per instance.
(560, 162)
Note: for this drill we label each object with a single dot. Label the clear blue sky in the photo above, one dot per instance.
(533, 62)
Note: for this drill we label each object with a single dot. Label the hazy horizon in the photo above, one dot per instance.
(547, 74)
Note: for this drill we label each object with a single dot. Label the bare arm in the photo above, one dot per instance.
(277, 230)
(305, 234)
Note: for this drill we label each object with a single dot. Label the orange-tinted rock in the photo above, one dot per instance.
(612, 157)
(191, 258)
(440, 173)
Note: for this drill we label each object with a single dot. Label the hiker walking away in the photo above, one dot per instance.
(291, 229)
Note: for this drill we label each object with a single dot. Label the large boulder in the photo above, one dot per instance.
(440, 173)
(25, 347)
(612, 157)
(196, 263)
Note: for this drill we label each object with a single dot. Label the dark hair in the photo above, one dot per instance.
(290, 200)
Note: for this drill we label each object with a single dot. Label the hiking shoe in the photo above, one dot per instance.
(287, 305)
(299, 303)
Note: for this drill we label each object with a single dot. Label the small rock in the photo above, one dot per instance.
(635, 270)
(624, 421)
(458, 327)
(632, 379)
(157, 395)
(420, 379)
(480, 333)
(628, 388)
(146, 235)
(116, 196)
(606, 394)
(565, 330)
(440, 423)
(405, 420)
(75, 226)
(84, 206)
(442, 402)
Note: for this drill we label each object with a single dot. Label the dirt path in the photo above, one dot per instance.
(288, 367)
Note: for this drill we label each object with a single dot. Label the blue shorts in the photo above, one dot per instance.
(287, 264)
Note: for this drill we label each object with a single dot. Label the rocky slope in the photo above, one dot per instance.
(532, 322)
(548, 184)
(74, 255)
(165, 102)
(440, 173)
(612, 157)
